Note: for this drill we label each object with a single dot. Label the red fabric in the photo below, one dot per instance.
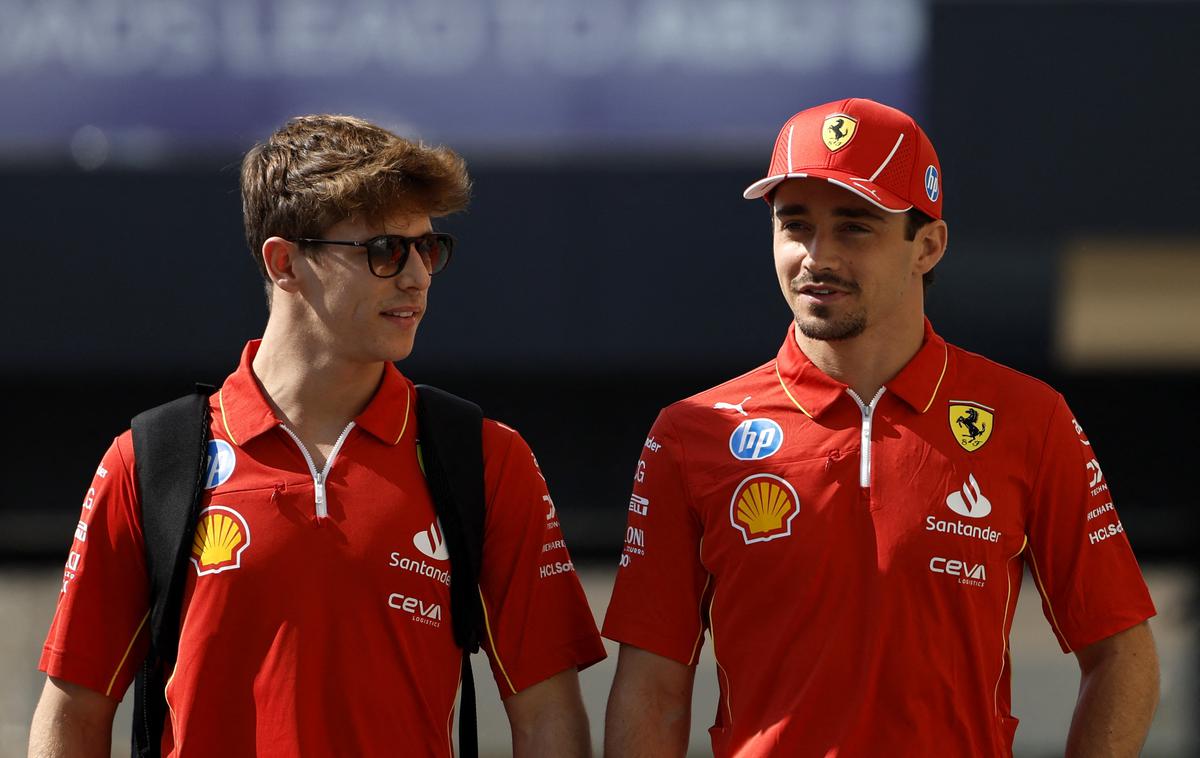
(848, 620)
(321, 636)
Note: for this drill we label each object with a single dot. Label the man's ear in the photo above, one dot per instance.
(280, 257)
(931, 245)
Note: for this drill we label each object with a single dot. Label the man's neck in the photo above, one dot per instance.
(314, 393)
(866, 362)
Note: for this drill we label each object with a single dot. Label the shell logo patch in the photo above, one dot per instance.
(971, 424)
(838, 130)
(763, 507)
(222, 535)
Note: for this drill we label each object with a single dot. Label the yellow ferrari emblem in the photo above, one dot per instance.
(838, 130)
(971, 424)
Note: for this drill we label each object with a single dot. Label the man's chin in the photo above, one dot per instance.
(828, 329)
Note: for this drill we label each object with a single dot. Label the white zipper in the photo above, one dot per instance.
(864, 458)
(319, 479)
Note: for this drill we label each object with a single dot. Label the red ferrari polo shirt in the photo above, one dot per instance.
(856, 561)
(316, 612)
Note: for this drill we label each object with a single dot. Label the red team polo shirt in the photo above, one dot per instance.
(316, 613)
(857, 560)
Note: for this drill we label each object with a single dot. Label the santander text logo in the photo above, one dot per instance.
(969, 502)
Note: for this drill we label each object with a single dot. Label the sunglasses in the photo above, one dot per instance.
(387, 253)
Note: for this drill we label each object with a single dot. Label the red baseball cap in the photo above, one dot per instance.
(871, 149)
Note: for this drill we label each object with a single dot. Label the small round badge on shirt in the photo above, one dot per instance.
(755, 439)
(221, 462)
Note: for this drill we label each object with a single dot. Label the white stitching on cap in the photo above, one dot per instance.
(888, 159)
(791, 129)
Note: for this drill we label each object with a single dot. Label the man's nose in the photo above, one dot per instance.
(414, 274)
(822, 251)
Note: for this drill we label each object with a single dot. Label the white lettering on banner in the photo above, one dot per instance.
(260, 38)
(639, 505)
(640, 476)
(81, 531)
(652, 445)
(1094, 467)
(624, 561)
(73, 561)
(556, 544)
(420, 568)
(974, 575)
(551, 513)
(1100, 511)
(985, 533)
(430, 614)
(1105, 532)
(90, 498)
(554, 569)
(101, 471)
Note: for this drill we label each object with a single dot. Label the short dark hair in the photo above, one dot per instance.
(318, 170)
(914, 221)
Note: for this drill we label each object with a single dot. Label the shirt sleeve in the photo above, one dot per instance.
(97, 638)
(657, 602)
(537, 618)
(1079, 554)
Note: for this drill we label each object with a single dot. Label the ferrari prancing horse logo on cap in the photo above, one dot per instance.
(838, 130)
(971, 424)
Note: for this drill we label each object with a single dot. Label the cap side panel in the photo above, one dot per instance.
(898, 174)
(888, 159)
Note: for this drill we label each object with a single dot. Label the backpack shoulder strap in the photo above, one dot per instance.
(170, 451)
(450, 432)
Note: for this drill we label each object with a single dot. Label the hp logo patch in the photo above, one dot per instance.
(221, 461)
(755, 439)
(931, 184)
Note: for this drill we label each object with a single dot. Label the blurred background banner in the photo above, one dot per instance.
(143, 79)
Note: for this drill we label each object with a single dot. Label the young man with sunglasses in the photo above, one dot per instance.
(316, 615)
(850, 521)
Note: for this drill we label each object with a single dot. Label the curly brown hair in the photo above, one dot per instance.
(318, 170)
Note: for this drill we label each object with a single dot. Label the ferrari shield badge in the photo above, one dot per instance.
(838, 130)
(971, 424)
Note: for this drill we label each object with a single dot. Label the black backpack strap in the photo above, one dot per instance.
(451, 438)
(170, 446)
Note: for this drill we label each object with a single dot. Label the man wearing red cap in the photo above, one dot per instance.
(850, 521)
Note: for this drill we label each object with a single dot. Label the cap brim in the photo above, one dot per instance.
(869, 191)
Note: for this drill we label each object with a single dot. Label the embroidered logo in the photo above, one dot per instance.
(763, 507)
(971, 424)
(222, 535)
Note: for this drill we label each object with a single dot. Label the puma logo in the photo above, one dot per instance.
(733, 407)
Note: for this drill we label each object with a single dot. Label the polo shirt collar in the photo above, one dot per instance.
(919, 381)
(245, 412)
(813, 391)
